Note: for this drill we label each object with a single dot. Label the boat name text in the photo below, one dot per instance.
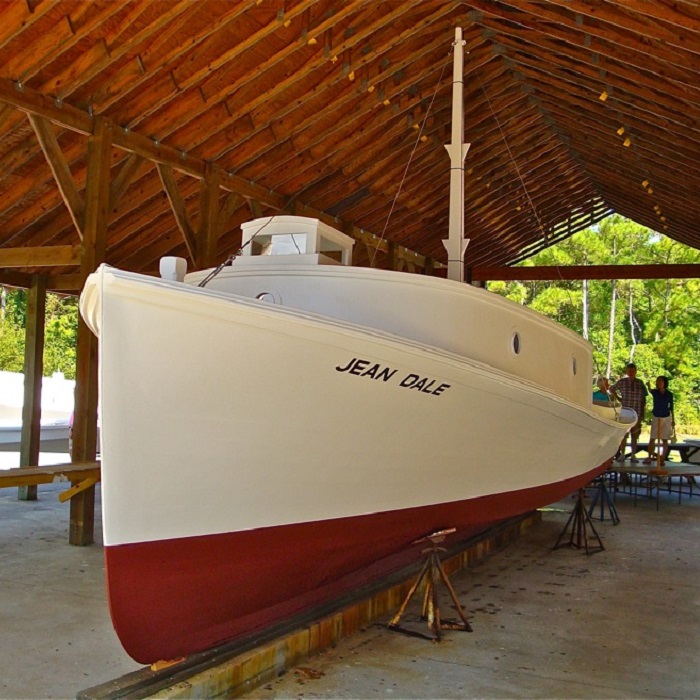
(376, 371)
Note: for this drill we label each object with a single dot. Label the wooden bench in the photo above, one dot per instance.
(81, 475)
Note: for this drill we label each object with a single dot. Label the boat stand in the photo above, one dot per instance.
(432, 572)
(602, 497)
(580, 521)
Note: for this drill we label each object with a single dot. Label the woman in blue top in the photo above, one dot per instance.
(662, 421)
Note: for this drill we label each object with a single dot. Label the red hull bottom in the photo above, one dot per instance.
(172, 598)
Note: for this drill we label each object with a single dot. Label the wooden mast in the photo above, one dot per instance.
(456, 244)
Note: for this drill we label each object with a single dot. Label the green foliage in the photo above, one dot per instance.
(656, 322)
(11, 348)
(60, 333)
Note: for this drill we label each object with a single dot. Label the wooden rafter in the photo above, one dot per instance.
(177, 204)
(310, 107)
(61, 171)
(123, 178)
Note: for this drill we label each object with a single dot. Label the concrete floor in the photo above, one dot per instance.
(618, 624)
(55, 633)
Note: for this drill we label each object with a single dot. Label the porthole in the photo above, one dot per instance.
(515, 343)
(270, 297)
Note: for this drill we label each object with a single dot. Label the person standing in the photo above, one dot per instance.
(632, 393)
(662, 419)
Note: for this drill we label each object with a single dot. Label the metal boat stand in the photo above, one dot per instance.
(580, 521)
(602, 497)
(432, 572)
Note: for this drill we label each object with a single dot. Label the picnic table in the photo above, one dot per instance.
(686, 449)
(674, 477)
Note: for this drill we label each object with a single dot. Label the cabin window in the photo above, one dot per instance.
(573, 365)
(515, 343)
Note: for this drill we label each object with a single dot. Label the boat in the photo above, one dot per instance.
(278, 431)
(56, 408)
(268, 440)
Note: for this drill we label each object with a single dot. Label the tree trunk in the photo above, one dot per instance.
(633, 323)
(585, 309)
(611, 331)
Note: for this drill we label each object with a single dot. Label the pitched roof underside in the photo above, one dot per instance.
(574, 109)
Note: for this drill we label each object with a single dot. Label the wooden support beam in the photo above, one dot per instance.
(231, 203)
(61, 171)
(392, 261)
(208, 231)
(255, 208)
(82, 506)
(33, 373)
(587, 272)
(126, 173)
(33, 102)
(80, 487)
(10, 278)
(177, 204)
(62, 114)
(65, 283)
(42, 256)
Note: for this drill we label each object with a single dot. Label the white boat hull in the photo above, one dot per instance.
(228, 424)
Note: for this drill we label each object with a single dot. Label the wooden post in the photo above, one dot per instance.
(208, 232)
(33, 372)
(82, 505)
(392, 257)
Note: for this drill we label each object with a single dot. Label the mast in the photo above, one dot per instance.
(456, 243)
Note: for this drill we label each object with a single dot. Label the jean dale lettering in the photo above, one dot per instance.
(374, 370)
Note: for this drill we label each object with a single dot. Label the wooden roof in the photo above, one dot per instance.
(330, 108)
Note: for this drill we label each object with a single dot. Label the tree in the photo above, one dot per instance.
(59, 338)
(660, 324)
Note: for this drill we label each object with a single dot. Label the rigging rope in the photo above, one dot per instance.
(408, 164)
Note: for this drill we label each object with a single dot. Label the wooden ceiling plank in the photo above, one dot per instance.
(61, 171)
(576, 42)
(177, 205)
(44, 256)
(343, 133)
(107, 96)
(646, 19)
(168, 126)
(677, 14)
(561, 21)
(17, 17)
(63, 36)
(634, 88)
(194, 81)
(625, 105)
(361, 62)
(655, 144)
(334, 106)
